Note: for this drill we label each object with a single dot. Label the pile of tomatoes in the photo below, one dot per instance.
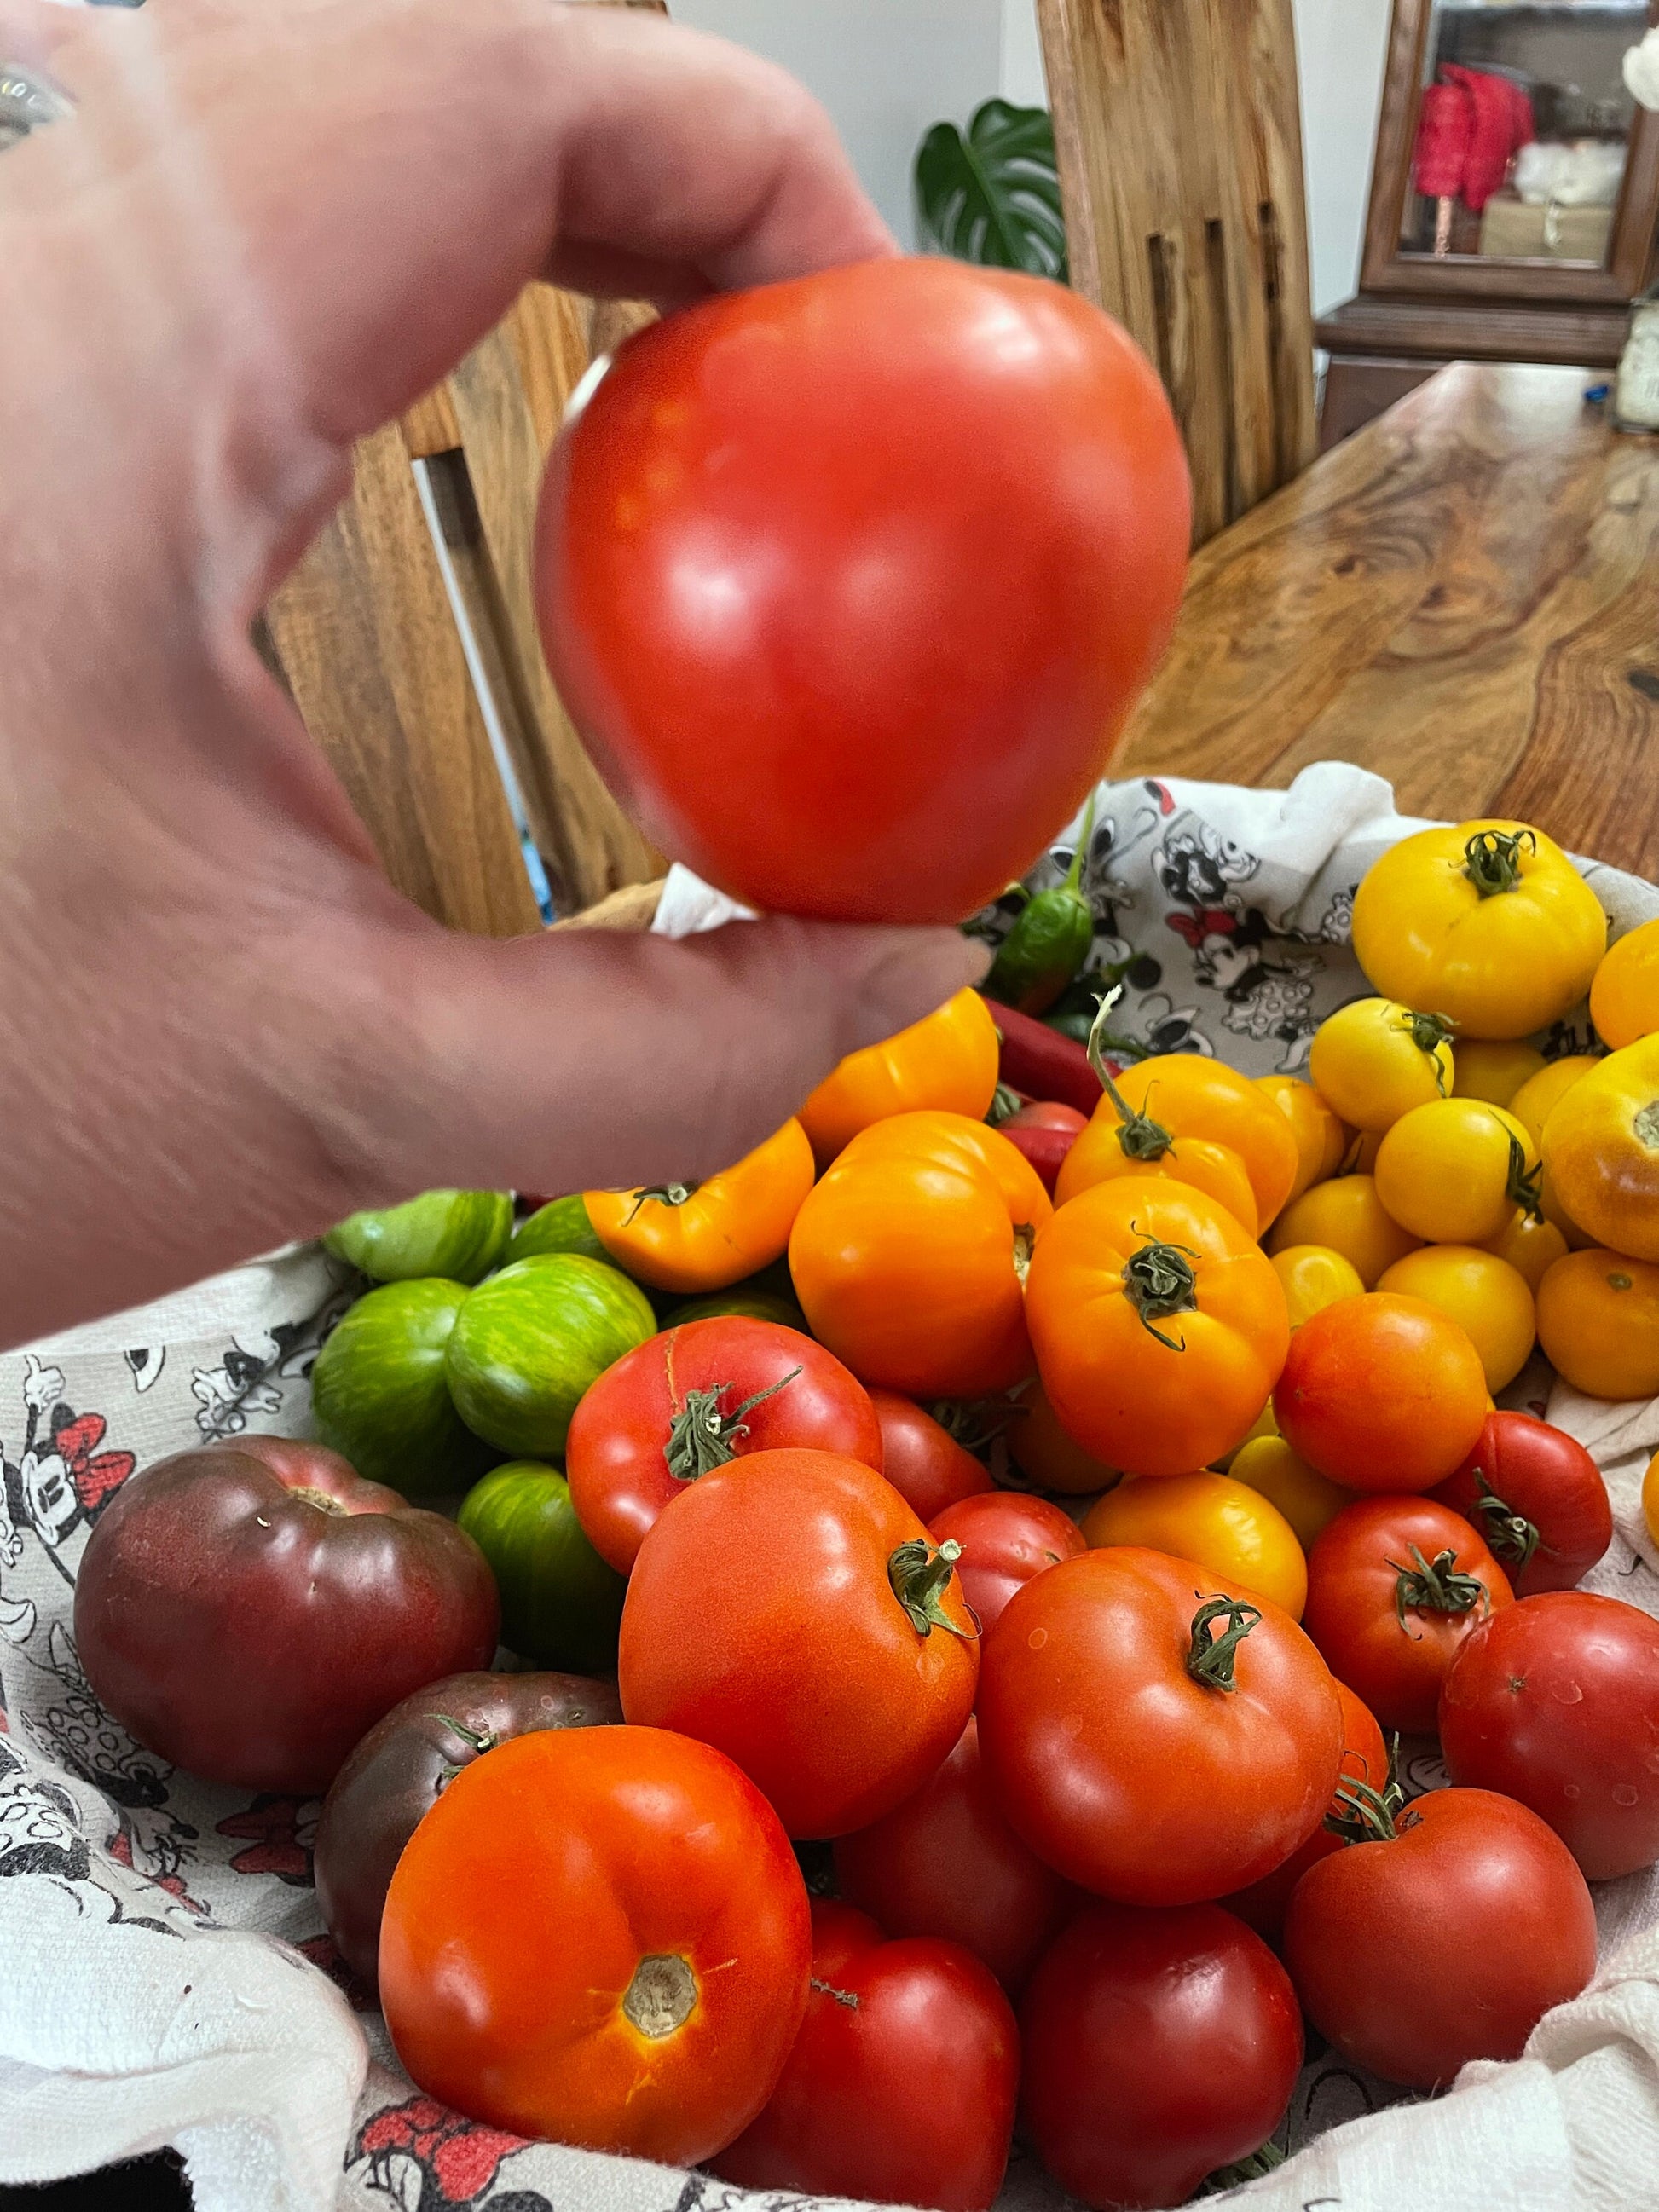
(1028, 1495)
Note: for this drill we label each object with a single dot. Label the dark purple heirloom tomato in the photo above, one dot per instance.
(248, 1610)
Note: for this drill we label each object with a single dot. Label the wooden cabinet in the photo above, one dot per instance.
(1515, 195)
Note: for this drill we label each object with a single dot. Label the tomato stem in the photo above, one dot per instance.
(1524, 1187)
(1004, 1102)
(702, 1437)
(1159, 1281)
(1434, 1586)
(919, 1575)
(1371, 1814)
(1491, 859)
(847, 1997)
(662, 1193)
(1646, 1124)
(1141, 1138)
(1429, 1032)
(1212, 1656)
(1509, 1536)
(1263, 2160)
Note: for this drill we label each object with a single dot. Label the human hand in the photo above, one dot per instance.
(264, 232)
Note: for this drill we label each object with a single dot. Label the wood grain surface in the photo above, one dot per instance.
(1464, 598)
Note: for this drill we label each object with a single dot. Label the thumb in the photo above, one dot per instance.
(588, 1059)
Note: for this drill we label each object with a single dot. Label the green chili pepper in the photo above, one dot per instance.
(1048, 943)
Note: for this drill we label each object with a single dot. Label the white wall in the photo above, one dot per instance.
(1340, 46)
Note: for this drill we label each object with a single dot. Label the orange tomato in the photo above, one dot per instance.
(1346, 1216)
(1382, 1393)
(1598, 1322)
(909, 1257)
(1193, 1113)
(1041, 1449)
(703, 1236)
(598, 1934)
(1159, 1326)
(1531, 1247)
(1601, 1150)
(1321, 1138)
(1624, 995)
(946, 1064)
(1229, 1527)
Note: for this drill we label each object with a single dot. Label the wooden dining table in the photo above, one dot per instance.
(1463, 597)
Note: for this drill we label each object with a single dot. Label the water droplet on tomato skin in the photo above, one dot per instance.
(1566, 1693)
(1569, 1791)
(1626, 1793)
(1036, 1639)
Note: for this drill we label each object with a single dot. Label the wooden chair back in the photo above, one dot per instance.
(1178, 126)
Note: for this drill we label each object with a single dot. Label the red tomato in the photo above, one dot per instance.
(1158, 2046)
(692, 1399)
(1538, 1499)
(833, 506)
(945, 1862)
(1382, 1393)
(902, 2081)
(1365, 1758)
(1556, 1703)
(921, 1459)
(1395, 1584)
(1151, 1734)
(1045, 1134)
(1006, 1539)
(600, 1935)
(792, 1611)
(1447, 1942)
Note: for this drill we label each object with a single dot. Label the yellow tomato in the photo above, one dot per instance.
(1456, 1170)
(1625, 996)
(1139, 1147)
(703, 1236)
(1598, 1322)
(946, 1064)
(1490, 924)
(1651, 1498)
(1494, 1071)
(1313, 1277)
(1266, 1424)
(1532, 1247)
(1347, 1216)
(1306, 1498)
(1195, 1122)
(1601, 1150)
(1540, 1095)
(1375, 1059)
(1483, 1295)
(1360, 1158)
(1320, 1138)
(1224, 1525)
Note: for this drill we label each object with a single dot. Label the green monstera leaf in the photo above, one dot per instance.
(991, 195)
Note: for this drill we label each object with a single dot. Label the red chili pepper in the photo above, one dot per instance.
(1042, 1064)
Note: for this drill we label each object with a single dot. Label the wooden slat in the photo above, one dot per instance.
(370, 648)
(1179, 144)
(430, 426)
(633, 906)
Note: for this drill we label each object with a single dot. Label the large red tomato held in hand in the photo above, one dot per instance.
(850, 583)
(689, 1400)
(902, 2083)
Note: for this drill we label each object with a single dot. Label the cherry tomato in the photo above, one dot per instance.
(1041, 1449)
(600, 1935)
(1598, 1322)
(1538, 1096)
(1600, 1148)
(1345, 1216)
(945, 1862)
(1624, 995)
(921, 1459)
(1495, 1071)
(1195, 1121)
(909, 1257)
(1305, 1498)
(1045, 1134)
(1228, 1528)
(1382, 1393)
(1153, 1732)
(1139, 1147)
(689, 1236)
(249, 1608)
(1485, 1297)
(1555, 1702)
(690, 1400)
(792, 1611)
(1159, 2046)
(1315, 1277)
(1159, 1326)
(1374, 1060)
(1320, 1138)
(1394, 1585)
(1538, 1499)
(1532, 1247)
(1365, 1758)
(1447, 1941)
(842, 542)
(902, 2081)
(1490, 923)
(947, 1063)
(1455, 1170)
(1006, 1539)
